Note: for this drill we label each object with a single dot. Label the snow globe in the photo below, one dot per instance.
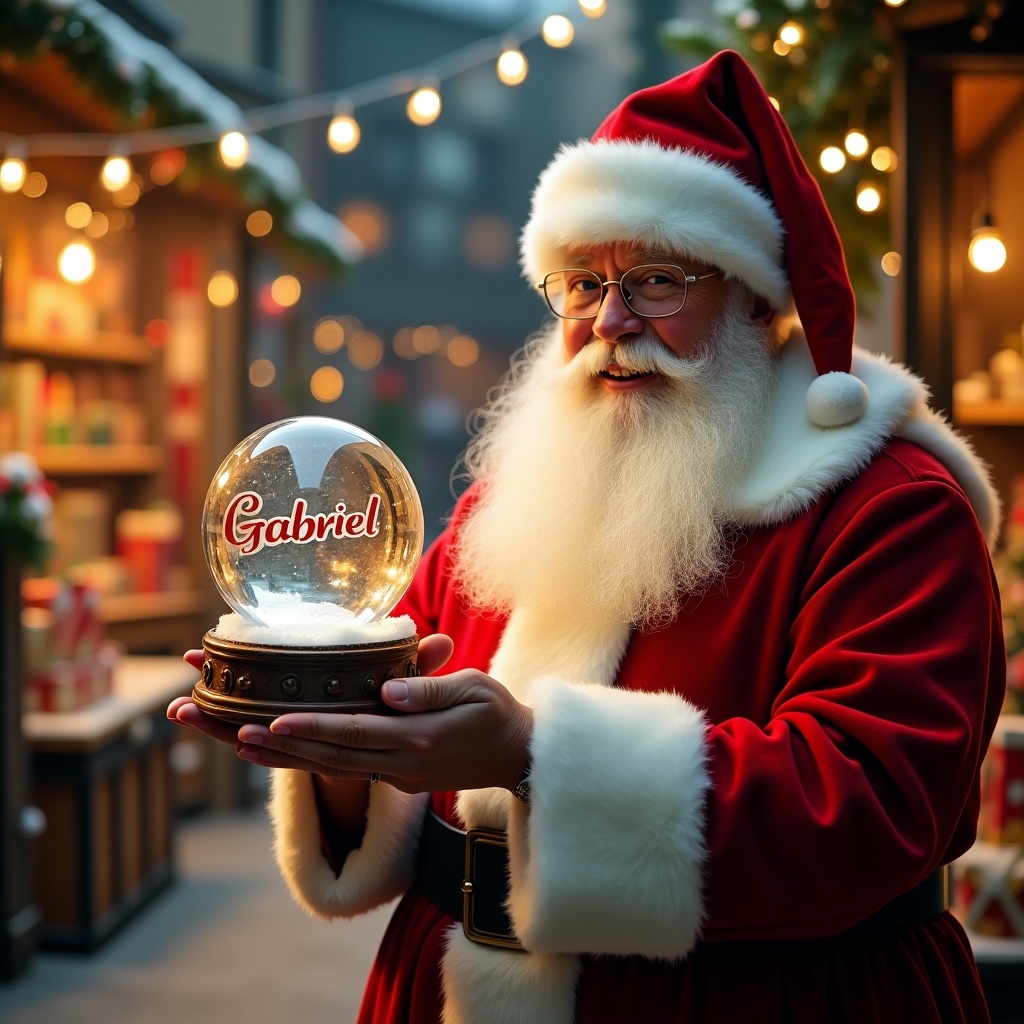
(312, 530)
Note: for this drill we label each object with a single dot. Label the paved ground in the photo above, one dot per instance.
(224, 944)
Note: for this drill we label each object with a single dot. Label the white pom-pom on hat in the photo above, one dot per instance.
(836, 399)
(704, 166)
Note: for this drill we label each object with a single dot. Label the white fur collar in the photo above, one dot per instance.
(800, 461)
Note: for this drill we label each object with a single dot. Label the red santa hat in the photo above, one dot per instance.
(705, 166)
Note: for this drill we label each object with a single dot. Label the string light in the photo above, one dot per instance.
(832, 159)
(259, 223)
(884, 159)
(35, 185)
(76, 262)
(326, 384)
(234, 149)
(892, 262)
(222, 289)
(12, 174)
(285, 290)
(343, 133)
(116, 172)
(261, 373)
(512, 67)
(557, 31)
(868, 197)
(792, 33)
(424, 106)
(856, 143)
(328, 335)
(986, 251)
(77, 215)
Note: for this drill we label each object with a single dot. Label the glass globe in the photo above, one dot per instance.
(311, 512)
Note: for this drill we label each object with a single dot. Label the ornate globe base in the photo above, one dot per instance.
(245, 682)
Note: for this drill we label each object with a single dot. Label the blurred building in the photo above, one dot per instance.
(428, 319)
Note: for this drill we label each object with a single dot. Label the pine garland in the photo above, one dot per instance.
(31, 29)
(836, 78)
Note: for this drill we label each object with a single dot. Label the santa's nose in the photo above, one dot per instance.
(615, 320)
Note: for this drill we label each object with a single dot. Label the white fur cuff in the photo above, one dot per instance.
(378, 871)
(608, 858)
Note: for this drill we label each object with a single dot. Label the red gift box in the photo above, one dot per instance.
(76, 630)
(71, 685)
(68, 665)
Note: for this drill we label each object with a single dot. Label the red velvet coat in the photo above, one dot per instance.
(851, 668)
(849, 671)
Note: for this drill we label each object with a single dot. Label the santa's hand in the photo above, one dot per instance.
(432, 654)
(460, 731)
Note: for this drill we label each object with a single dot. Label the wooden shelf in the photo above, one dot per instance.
(104, 347)
(158, 605)
(98, 459)
(994, 412)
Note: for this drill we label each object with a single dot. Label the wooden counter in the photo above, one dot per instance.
(102, 777)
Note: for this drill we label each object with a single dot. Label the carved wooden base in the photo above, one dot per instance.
(244, 682)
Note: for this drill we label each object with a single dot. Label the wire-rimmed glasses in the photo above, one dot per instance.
(650, 290)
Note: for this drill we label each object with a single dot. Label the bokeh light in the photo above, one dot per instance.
(327, 384)
(222, 289)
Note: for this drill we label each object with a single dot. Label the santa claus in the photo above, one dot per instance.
(713, 644)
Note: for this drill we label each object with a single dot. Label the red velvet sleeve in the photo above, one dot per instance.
(866, 775)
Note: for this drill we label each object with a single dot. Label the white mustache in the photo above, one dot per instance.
(641, 355)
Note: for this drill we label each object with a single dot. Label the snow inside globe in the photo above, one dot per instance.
(312, 530)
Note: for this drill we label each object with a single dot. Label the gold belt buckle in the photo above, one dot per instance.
(476, 838)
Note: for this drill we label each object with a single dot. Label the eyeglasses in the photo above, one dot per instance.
(652, 290)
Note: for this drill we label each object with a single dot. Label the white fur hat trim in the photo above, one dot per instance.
(595, 193)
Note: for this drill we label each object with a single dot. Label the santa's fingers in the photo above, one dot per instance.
(355, 732)
(183, 711)
(324, 759)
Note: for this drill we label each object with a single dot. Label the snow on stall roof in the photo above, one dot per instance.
(135, 53)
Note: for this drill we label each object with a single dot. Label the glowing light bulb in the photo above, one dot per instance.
(76, 262)
(424, 106)
(593, 8)
(832, 159)
(116, 173)
(558, 31)
(343, 133)
(792, 33)
(12, 174)
(512, 67)
(285, 290)
(868, 197)
(986, 251)
(856, 143)
(884, 159)
(77, 215)
(222, 289)
(234, 149)
(892, 262)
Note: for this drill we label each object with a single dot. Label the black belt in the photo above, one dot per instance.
(465, 874)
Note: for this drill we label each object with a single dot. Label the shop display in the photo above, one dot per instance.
(313, 530)
(68, 663)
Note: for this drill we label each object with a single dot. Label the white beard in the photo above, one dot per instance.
(613, 504)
